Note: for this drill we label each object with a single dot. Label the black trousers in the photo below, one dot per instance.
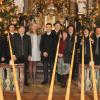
(97, 60)
(6, 61)
(24, 60)
(75, 67)
(46, 67)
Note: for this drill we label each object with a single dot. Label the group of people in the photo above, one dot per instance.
(31, 47)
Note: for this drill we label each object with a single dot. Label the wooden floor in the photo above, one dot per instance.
(40, 92)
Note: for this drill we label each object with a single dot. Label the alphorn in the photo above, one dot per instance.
(1, 91)
(93, 72)
(82, 76)
(14, 71)
(70, 73)
(53, 74)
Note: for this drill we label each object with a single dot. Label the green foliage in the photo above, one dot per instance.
(7, 12)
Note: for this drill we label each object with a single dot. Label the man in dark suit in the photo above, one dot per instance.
(2, 58)
(57, 31)
(22, 49)
(69, 49)
(86, 32)
(10, 35)
(96, 46)
(47, 47)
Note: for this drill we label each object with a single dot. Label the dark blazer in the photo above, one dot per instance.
(1, 47)
(86, 50)
(22, 50)
(56, 36)
(96, 57)
(69, 48)
(47, 44)
(94, 37)
(6, 46)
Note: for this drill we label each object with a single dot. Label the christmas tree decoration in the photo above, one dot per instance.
(7, 12)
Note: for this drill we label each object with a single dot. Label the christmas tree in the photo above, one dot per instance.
(8, 12)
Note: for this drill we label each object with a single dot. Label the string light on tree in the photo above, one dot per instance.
(1, 1)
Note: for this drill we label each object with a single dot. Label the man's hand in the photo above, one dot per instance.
(29, 58)
(14, 57)
(2, 59)
(45, 54)
(60, 55)
(92, 41)
(91, 63)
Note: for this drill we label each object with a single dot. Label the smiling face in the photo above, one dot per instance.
(97, 31)
(48, 28)
(11, 28)
(86, 32)
(70, 29)
(21, 30)
(34, 27)
(57, 27)
(64, 34)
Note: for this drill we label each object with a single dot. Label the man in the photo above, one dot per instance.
(96, 46)
(2, 58)
(57, 32)
(22, 49)
(10, 35)
(86, 32)
(57, 29)
(47, 48)
(68, 51)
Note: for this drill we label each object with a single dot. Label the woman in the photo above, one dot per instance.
(61, 67)
(35, 41)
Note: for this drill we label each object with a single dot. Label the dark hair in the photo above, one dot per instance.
(86, 29)
(10, 25)
(57, 22)
(20, 26)
(96, 28)
(49, 24)
(64, 31)
(69, 27)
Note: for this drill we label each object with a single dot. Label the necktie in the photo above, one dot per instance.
(22, 46)
(85, 49)
(96, 51)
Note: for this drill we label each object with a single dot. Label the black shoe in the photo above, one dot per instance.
(63, 85)
(44, 83)
(74, 78)
(26, 84)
